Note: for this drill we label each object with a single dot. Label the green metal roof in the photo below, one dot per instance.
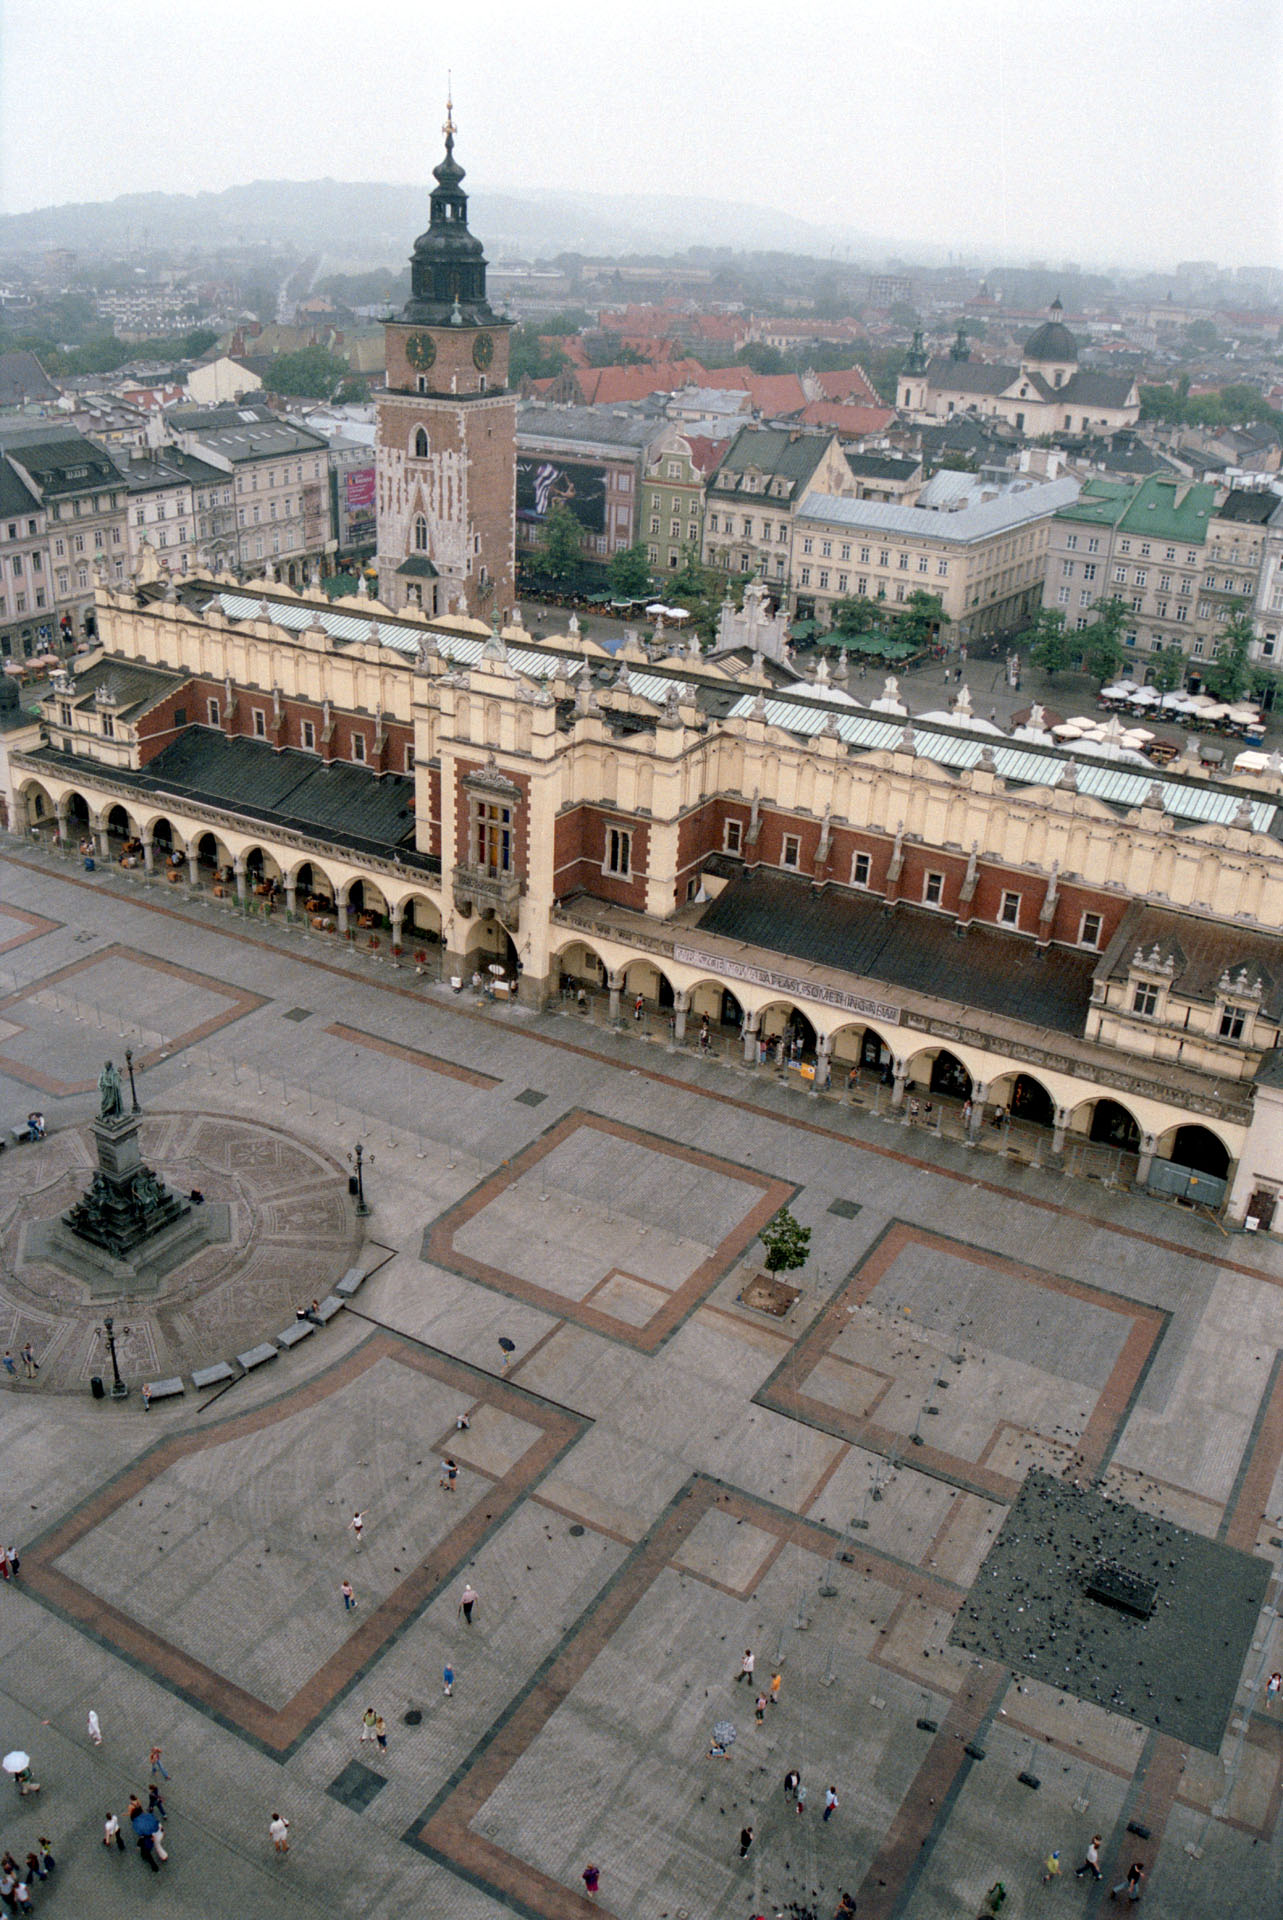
(1159, 506)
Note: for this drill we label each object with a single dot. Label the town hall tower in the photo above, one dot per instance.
(447, 425)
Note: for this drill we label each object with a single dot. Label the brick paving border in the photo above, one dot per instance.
(278, 1732)
(677, 1306)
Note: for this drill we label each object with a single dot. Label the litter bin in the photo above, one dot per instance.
(352, 1183)
(97, 1388)
(90, 865)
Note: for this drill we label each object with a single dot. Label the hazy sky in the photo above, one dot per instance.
(1098, 130)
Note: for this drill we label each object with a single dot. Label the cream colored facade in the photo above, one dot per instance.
(546, 746)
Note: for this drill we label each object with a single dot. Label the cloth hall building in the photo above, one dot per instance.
(1083, 951)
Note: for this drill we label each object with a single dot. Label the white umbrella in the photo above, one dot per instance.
(1243, 716)
(1134, 734)
(1251, 762)
(1214, 710)
(17, 1761)
(1084, 720)
(1068, 730)
(1144, 697)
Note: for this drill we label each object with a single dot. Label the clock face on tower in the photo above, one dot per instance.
(421, 351)
(482, 351)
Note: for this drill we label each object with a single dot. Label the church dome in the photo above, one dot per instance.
(1052, 340)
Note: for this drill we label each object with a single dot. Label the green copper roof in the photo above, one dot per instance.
(1159, 507)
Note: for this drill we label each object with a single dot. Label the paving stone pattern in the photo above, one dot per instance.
(654, 1477)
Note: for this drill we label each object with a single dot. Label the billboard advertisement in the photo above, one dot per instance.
(543, 483)
(358, 505)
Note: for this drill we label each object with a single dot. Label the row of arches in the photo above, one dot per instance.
(913, 1064)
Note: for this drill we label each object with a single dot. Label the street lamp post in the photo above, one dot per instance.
(361, 1208)
(107, 1331)
(133, 1091)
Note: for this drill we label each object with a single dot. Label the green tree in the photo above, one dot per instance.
(1167, 669)
(561, 555)
(313, 373)
(701, 590)
(1229, 673)
(529, 355)
(1200, 336)
(759, 358)
(1102, 643)
(858, 614)
(787, 1244)
(920, 619)
(629, 572)
(1051, 649)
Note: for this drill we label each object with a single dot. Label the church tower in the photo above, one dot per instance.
(447, 426)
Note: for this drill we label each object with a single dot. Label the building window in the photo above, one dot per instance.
(1145, 998)
(108, 726)
(861, 868)
(420, 444)
(933, 889)
(1067, 569)
(492, 837)
(309, 736)
(806, 576)
(903, 562)
(1233, 1020)
(824, 578)
(619, 849)
(260, 724)
(212, 710)
(1010, 913)
(1089, 569)
(1093, 545)
(792, 853)
(733, 835)
(1071, 541)
(420, 534)
(807, 544)
(358, 747)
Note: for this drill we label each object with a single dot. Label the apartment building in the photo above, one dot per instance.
(755, 491)
(1143, 543)
(83, 494)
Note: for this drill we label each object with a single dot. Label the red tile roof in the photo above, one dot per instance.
(848, 422)
(849, 383)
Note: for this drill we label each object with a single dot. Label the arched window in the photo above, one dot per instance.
(420, 534)
(420, 444)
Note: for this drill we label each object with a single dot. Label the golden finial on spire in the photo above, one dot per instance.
(449, 128)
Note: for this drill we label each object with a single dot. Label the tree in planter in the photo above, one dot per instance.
(922, 617)
(859, 614)
(787, 1244)
(1167, 670)
(1050, 648)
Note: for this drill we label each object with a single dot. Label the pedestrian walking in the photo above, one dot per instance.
(33, 1869)
(461, 1423)
(21, 1897)
(155, 1804)
(26, 1782)
(349, 1598)
(381, 1734)
(157, 1766)
(777, 1681)
(449, 1474)
(467, 1601)
(1091, 1864)
(759, 1708)
(47, 1861)
(147, 1849)
(447, 1680)
(95, 1730)
(111, 1834)
(1051, 1867)
(1131, 1885)
(279, 1832)
(639, 1007)
(746, 1841)
(1272, 1686)
(357, 1524)
(591, 1877)
(368, 1719)
(10, 1365)
(792, 1781)
(146, 1396)
(800, 1797)
(830, 1802)
(31, 1366)
(747, 1665)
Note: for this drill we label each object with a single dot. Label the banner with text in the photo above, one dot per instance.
(789, 983)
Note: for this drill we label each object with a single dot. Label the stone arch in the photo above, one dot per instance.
(1025, 1097)
(941, 1071)
(77, 810)
(420, 918)
(1111, 1124)
(489, 943)
(785, 1019)
(419, 444)
(39, 809)
(119, 824)
(578, 963)
(1197, 1147)
(646, 977)
(858, 1044)
(311, 880)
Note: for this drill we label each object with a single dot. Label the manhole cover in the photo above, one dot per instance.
(413, 1718)
(576, 1531)
(845, 1209)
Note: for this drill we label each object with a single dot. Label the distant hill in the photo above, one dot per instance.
(371, 222)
